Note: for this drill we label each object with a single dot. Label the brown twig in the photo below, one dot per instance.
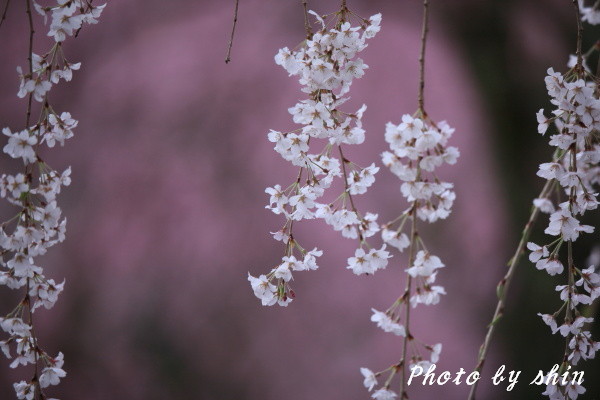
(306, 22)
(580, 69)
(406, 296)
(4, 12)
(235, 17)
(34, 344)
(343, 161)
(424, 32)
(30, 58)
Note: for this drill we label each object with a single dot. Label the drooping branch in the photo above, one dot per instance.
(230, 44)
(424, 32)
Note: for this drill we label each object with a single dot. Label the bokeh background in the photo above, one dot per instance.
(166, 210)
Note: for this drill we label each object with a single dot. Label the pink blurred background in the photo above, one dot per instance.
(166, 210)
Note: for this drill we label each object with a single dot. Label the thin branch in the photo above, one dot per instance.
(27, 173)
(343, 161)
(413, 230)
(89, 4)
(502, 287)
(4, 12)
(580, 69)
(306, 22)
(235, 17)
(406, 297)
(424, 32)
(597, 77)
(34, 345)
(30, 58)
(569, 317)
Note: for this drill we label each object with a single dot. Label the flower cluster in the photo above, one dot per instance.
(370, 377)
(326, 65)
(67, 17)
(417, 149)
(38, 223)
(575, 170)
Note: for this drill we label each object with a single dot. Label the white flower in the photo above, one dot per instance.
(20, 145)
(551, 170)
(360, 181)
(370, 378)
(283, 270)
(552, 265)
(61, 129)
(368, 263)
(38, 87)
(384, 322)
(310, 258)
(263, 289)
(288, 61)
(278, 199)
(47, 293)
(572, 57)
(578, 322)
(374, 26)
(428, 294)
(379, 257)
(280, 236)
(542, 122)
(5, 349)
(537, 252)
(410, 127)
(369, 226)
(589, 14)
(585, 201)
(64, 23)
(303, 204)
(550, 321)
(15, 326)
(396, 239)
(22, 266)
(16, 185)
(48, 216)
(51, 375)
(93, 13)
(427, 140)
(545, 205)
(435, 353)
(569, 179)
(360, 263)
(384, 394)
(563, 223)
(561, 141)
(574, 390)
(590, 281)
(425, 264)
(24, 390)
(451, 155)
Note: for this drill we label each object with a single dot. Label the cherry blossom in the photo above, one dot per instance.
(573, 173)
(325, 65)
(38, 224)
(370, 378)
